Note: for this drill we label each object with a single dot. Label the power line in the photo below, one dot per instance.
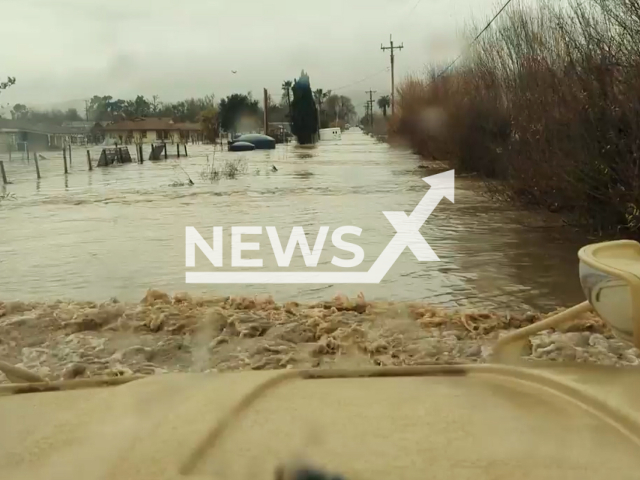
(385, 69)
(403, 17)
(370, 103)
(473, 41)
(414, 7)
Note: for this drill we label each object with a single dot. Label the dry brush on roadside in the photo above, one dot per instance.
(546, 103)
(229, 169)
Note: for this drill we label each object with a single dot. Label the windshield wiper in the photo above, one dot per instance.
(19, 375)
(24, 381)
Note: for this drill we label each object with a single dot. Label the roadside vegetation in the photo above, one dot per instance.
(375, 124)
(304, 111)
(228, 169)
(7, 196)
(546, 104)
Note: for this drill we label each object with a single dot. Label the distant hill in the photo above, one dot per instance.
(77, 104)
(5, 108)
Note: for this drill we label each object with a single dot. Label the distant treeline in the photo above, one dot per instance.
(105, 108)
(102, 108)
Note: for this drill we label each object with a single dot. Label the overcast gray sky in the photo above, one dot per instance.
(69, 50)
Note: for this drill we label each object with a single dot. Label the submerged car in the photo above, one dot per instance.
(260, 142)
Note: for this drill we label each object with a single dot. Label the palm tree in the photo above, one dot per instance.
(320, 96)
(286, 88)
(383, 103)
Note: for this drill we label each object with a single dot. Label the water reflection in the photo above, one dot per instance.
(122, 231)
(303, 175)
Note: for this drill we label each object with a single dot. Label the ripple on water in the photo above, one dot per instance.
(118, 231)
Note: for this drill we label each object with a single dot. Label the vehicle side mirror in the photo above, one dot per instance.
(610, 279)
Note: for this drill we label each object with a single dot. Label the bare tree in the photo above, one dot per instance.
(10, 81)
(320, 96)
(155, 104)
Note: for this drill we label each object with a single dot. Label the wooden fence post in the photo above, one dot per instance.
(185, 150)
(141, 154)
(70, 161)
(64, 156)
(178, 149)
(35, 158)
(4, 174)
(89, 160)
(165, 150)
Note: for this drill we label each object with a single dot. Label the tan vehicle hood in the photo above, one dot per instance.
(480, 422)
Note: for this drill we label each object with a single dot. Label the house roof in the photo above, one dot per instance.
(140, 124)
(188, 126)
(80, 124)
(151, 124)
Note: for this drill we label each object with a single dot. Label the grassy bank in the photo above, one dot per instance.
(547, 103)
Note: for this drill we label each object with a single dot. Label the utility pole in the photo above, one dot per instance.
(86, 110)
(370, 102)
(371, 114)
(393, 85)
(266, 112)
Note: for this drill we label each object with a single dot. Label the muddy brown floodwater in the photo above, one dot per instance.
(115, 232)
(162, 333)
(79, 252)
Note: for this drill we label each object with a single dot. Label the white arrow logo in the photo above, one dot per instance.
(407, 235)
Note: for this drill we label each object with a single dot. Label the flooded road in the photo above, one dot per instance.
(117, 231)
